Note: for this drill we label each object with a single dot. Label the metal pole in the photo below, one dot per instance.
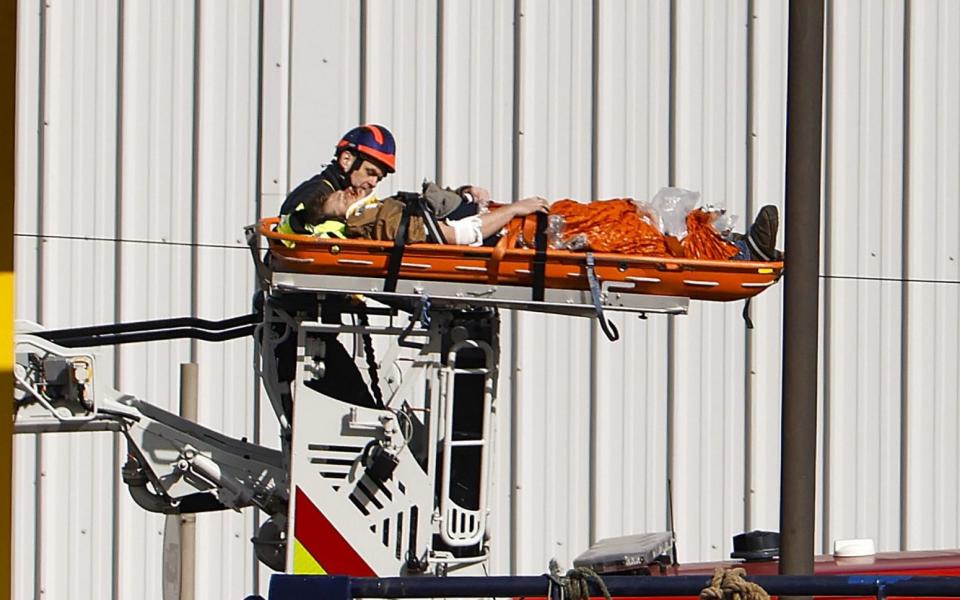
(8, 78)
(188, 522)
(801, 285)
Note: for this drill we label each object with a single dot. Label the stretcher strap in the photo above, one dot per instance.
(540, 256)
(434, 234)
(746, 314)
(411, 204)
(609, 329)
(421, 316)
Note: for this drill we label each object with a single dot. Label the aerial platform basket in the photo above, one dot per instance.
(504, 274)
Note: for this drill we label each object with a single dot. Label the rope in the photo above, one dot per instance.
(730, 585)
(575, 585)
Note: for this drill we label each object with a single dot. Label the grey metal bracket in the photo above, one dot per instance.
(444, 293)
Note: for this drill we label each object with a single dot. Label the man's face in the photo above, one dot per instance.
(366, 177)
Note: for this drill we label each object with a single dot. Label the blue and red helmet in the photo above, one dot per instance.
(374, 142)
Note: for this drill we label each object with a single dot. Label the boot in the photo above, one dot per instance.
(762, 236)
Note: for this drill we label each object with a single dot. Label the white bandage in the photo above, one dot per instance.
(467, 231)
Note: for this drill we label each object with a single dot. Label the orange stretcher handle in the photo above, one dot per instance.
(507, 241)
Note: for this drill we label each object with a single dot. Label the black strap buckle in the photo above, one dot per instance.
(609, 329)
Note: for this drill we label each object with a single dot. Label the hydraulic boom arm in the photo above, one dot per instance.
(173, 465)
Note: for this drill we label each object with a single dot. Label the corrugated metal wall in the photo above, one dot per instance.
(150, 132)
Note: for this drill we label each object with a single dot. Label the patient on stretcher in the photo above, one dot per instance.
(669, 226)
(460, 219)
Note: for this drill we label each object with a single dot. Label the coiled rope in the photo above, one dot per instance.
(730, 585)
(575, 585)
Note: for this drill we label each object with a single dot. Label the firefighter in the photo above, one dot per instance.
(363, 157)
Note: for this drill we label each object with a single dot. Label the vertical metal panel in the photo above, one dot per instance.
(864, 215)
(79, 199)
(226, 201)
(401, 76)
(765, 346)
(931, 247)
(709, 346)
(275, 110)
(28, 214)
(554, 387)
(274, 141)
(477, 96)
(324, 80)
(476, 106)
(631, 375)
(157, 207)
(502, 490)
(26, 538)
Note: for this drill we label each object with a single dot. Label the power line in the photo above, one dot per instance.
(245, 247)
(83, 238)
(889, 279)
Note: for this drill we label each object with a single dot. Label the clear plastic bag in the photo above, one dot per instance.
(648, 213)
(577, 243)
(670, 207)
(558, 240)
(555, 226)
(723, 221)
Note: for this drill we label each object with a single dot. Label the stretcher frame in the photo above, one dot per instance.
(575, 283)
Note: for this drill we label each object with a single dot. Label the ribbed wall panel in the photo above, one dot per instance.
(862, 226)
(767, 150)
(401, 84)
(274, 172)
(26, 473)
(320, 86)
(77, 279)
(631, 380)
(553, 387)
(226, 168)
(477, 96)
(475, 147)
(932, 300)
(147, 123)
(155, 279)
(708, 362)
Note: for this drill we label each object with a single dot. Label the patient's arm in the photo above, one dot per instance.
(495, 220)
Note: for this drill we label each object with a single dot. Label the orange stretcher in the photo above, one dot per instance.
(506, 264)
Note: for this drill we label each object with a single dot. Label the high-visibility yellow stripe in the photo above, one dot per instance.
(6, 315)
(303, 562)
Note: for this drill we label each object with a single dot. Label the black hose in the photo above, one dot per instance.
(114, 339)
(55, 335)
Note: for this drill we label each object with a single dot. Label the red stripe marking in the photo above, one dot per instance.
(387, 159)
(377, 134)
(322, 540)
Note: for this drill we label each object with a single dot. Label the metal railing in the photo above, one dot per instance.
(284, 587)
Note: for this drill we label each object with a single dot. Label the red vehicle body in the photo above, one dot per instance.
(915, 563)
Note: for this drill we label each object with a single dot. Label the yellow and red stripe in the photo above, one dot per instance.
(319, 547)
